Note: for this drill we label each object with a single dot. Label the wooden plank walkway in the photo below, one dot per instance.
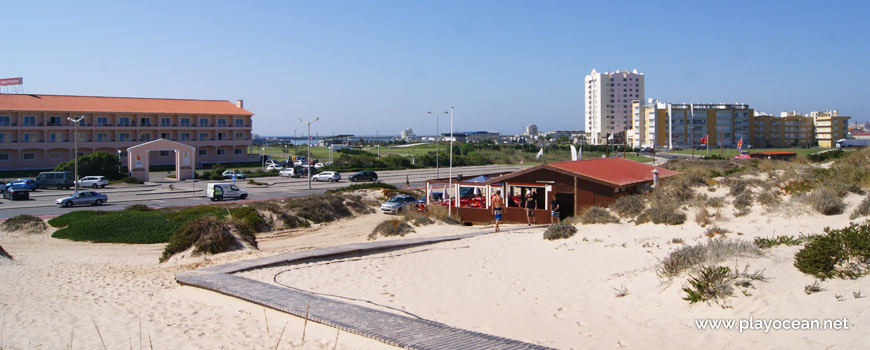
(397, 330)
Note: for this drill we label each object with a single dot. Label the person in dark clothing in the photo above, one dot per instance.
(531, 205)
(555, 210)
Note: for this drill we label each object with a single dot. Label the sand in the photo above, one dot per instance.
(515, 284)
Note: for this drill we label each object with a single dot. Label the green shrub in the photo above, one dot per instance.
(738, 187)
(180, 215)
(249, 219)
(139, 207)
(75, 216)
(668, 215)
(628, 206)
(559, 231)
(843, 253)
(711, 282)
(393, 227)
(762, 242)
(597, 215)
(25, 222)
(132, 180)
(361, 186)
(118, 227)
(826, 201)
(825, 156)
(863, 209)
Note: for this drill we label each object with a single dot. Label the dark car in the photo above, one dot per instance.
(363, 175)
(29, 184)
(16, 193)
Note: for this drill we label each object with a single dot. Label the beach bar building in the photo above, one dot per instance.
(576, 185)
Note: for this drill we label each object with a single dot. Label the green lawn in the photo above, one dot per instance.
(733, 152)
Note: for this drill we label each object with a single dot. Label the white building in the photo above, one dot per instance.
(407, 134)
(531, 130)
(608, 102)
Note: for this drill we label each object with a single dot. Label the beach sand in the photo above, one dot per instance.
(514, 284)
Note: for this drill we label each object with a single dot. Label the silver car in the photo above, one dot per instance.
(93, 181)
(396, 204)
(82, 198)
(330, 176)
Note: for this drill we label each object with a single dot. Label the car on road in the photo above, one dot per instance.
(219, 191)
(16, 193)
(28, 184)
(645, 150)
(82, 198)
(397, 204)
(286, 172)
(57, 179)
(238, 174)
(330, 176)
(363, 175)
(93, 181)
(274, 166)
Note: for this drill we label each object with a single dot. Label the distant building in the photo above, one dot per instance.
(473, 136)
(407, 134)
(607, 102)
(784, 131)
(531, 130)
(669, 125)
(828, 126)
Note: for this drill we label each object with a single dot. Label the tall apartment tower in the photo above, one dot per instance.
(608, 103)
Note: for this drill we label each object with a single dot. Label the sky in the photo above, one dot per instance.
(367, 67)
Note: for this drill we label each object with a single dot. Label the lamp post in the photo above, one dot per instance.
(308, 159)
(119, 162)
(76, 148)
(450, 172)
(437, 137)
(378, 143)
(263, 157)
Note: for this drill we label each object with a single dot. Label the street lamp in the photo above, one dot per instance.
(76, 148)
(308, 159)
(119, 162)
(263, 157)
(437, 136)
(450, 172)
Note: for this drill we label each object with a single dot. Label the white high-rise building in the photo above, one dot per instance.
(608, 102)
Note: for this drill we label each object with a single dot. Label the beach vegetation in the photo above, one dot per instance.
(391, 227)
(560, 230)
(711, 252)
(715, 230)
(326, 208)
(25, 223)
(863, 209)
(743, 203)
(628, 206)
(825, 201)
(362, 186)
(132, 180)
(764, 242)
(815, 287)
(662, 214)
(702, 216)
(597, 215)
(843, 253)
(709, 283)
(139, 207)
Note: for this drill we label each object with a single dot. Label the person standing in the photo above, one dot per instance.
(555, 212)
(531, 205)
(497, 207)
(407, 182)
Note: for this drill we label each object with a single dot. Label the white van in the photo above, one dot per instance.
(219, 191)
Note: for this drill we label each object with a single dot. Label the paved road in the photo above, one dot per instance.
(159, 194)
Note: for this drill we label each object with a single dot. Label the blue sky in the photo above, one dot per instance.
(379, 66)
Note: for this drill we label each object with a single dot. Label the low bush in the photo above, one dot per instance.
(132, 180)
(711, 282)
(825, 156)
(628, 206)
(714, 230)
(392, 227)
(324, 208)
(668, 215)
(597, 215)
(769, 197)
(843, 253)
(362, 186)
(743, 203)
(702, 216)
(207, 234)
(559, 231)
(75, 216)
(139, 207)
(863, 209)
(440, 213)
(142, 227)
(763, 242)
(711, 252)
(24, 222)
(249, 219)
(738, 187)
(826, 201)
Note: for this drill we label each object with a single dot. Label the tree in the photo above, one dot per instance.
(97, 163)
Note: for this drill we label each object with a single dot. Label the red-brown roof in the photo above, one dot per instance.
(59, 103)
(614, 172)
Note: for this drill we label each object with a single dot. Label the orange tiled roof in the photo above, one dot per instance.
(615, 171)
(85, 104)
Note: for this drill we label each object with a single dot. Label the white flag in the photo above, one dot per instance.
(580, 153)
(573, 153)
(540, 153)
(610, 137)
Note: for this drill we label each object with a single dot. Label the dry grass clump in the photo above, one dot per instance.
(25, 223)
(769, 197)
(439, 212)
(416, 218)
(743, 203)
(392, 227)
(207, 234)
(559, 231)
(702, 216)
(714, 230)
(711, 252)
(739, 186)
(662, 214)
(597, 215)
(628, 206)
(277, 216)
(863, 209)
(825, 201)
(326, 208)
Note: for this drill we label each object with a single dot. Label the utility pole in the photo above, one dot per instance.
(450, 178)
(308, 159)
(76, 148)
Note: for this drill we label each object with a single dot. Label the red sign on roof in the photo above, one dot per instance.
(11, 81)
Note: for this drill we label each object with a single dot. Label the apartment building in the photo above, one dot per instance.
(830, 127)
(35, 132)
(786, 131)
(607, 102)
(682, 125)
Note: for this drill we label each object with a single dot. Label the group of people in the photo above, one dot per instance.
(530, 203)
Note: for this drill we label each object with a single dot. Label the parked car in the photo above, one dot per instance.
(274, 166)
(219, 191)
(396, 204)
(238, 174)
(286, 172)
(16, 193)
(28, 184)
(82, 198)
(645, 150)
(93, 181)
(330, 176)
(363, 175)
(58, 179)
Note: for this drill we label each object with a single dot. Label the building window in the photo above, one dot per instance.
(54, 121)
(124, 121)
(123, 136)
(222, 122)
(203, 121)
(221, 151)
(145, 121)
(203, 136)
(102, 121)
(28, 120)
(184, 122)
(28, 156)
(203, 152)
(54, 155)
(221, 136)
(145, 136)
(185, 136)
(4, 120)
(164, 153)
(165, 122)
(239, 136)
(102, 137)
(4, 157)
(239, 151)
(164, 135)
(240, 122)
(52, 137)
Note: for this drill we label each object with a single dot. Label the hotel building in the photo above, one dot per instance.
(669, 125)
(830, 127)
(607, 102)
(785, 131)
(36, 134)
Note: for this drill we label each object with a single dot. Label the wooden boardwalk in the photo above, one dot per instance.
(397, 330)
